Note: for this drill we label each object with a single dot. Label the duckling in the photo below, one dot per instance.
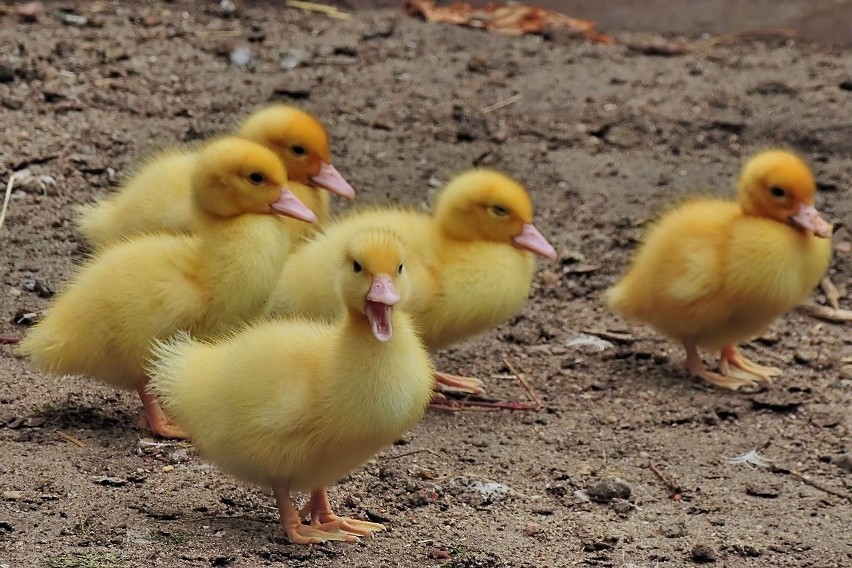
(470, 262)
(138, 207)
(713, 273)
(297, 404)
(137, 290)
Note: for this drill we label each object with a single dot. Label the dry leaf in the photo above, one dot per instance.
(510, 19)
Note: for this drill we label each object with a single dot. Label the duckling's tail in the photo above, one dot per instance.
(171, 369)
(95, 221)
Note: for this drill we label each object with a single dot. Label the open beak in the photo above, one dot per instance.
(379, 307)
(532, 240)
(330, 179)
(289, 205)
(808, 218)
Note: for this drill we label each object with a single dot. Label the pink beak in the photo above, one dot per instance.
(289, 205)
(330, 179)
(532, 240)
(379, 308)
(808, 218)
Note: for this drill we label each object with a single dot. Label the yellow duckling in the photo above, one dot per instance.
(297, 404)
(139, 207)
(470, 262)
(137, 290)
(713, 273)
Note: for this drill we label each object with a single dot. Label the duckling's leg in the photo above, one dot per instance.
(697, 369)
(454, 383)
(324, 518)
(292, 524)
(8, 340)
(158, 422)
(730, 355)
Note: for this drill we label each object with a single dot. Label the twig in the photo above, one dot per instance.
(522, 379)
(9, 186)
(826, 313)
(768, 351)
(70, 438)
(677, 492)
(832, 294)
(807, 480)
(467, 404)
(611, 335)
(724, 38)
(219, 33)
(505, 102)
(330, 11)
(8, 340)
(411, 453)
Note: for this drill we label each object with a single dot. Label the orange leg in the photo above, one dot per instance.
(697, 369)
(158, 422)
(454, 383)
(8, 340)
(292, 524)
(323, 518)
(730, 356)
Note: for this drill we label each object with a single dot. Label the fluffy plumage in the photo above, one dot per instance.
(137, 290)
(297, 404)
(156, 198)
(714, 272)
(470, 262)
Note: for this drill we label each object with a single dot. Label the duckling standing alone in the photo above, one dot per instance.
(713, 273)
(298, 404)
(157, 197)
(470, 262)
(135, 291)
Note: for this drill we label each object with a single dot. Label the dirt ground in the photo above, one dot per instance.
(603, 135)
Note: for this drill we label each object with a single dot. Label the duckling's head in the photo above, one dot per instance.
(487, 205)
(233, 176)
(779, 185)
(373, 278)
(301, 143)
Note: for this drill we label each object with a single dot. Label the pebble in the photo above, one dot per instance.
(677, 530)
(703, 553)
(622, 506)
(608, 488)
(844, 462)
(12, 495)
(804, 356)
(748, 550)
(765, 490)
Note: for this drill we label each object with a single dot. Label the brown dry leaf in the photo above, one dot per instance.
(510, 19)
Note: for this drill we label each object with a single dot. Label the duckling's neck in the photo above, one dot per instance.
(455, 229)
(241, 259)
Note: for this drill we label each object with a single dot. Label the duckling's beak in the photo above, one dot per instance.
(330, 179)
(289, 205)
(532, 240)
(379, 308)
(808, 218)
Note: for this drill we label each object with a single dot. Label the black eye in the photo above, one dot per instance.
(356, 267)
(299, 150)
(399, 270)
(777, 191)
(256, 178)
(499, 211)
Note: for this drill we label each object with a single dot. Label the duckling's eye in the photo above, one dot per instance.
(399, 270)
(499, 211)
(298, 150)
(356, 266)
(256, 178)
(777, 191)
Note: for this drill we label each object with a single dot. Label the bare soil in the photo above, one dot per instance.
(603, 135)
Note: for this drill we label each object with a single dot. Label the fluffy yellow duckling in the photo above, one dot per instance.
(137, 290)
(139, 207)
(713, 273)
(470, 262)
(297, 404)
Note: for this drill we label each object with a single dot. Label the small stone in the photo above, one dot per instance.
(294, 58)
(677, 530)
(12, 495)
(477, 64)
(30, 11)
(534, 529)
(607, 489)
(7, 73)
(240, 56)
(110, 481)
(550, 279)
(804, 356)
(439, 554)
(12, 103)
(765, 490)
(717, 522)
(748, 550)
(843, 461)
(703, 553)
(622, 506)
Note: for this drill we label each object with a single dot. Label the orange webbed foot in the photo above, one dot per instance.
(445, 382)
(155, 419)
(728, 381)
(732, 363)
(323, 518)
